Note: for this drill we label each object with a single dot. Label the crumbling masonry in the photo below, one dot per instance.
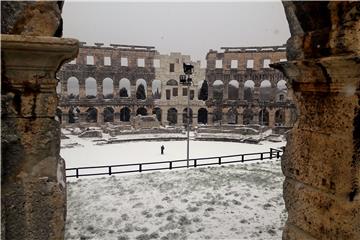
(115, 84)
(322, 158)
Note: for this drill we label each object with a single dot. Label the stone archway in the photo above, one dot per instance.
(321, 204)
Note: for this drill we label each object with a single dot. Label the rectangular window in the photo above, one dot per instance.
(283, 59)
(156, 63)
(266, 63)
(141, 62)
(90, 60)
(175, 92)
(250, 63)
(218, 64)
(234, 63)
(192, 94)
(124, 61)
(168, 94)
(184, 92)
(107, 61)
(172, 67)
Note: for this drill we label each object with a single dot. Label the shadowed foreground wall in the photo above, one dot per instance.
(322, 158)
(33, 190)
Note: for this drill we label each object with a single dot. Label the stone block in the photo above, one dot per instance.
(320, 214)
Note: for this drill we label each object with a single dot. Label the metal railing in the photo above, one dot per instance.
(174, 164)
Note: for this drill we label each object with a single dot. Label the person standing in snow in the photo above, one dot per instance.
(162, 149)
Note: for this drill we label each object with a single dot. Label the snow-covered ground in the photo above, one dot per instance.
(89, 153)
(242, 201)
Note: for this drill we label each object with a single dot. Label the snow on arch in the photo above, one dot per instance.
(141, 81)
(249, 84)
(218, 83)
(281, 84)
(234, 83)
(265, 84)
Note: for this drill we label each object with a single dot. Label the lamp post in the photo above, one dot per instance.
(186, 81)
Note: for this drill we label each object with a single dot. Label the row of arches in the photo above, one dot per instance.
(266, 91)
(91, 115)
(91, 88)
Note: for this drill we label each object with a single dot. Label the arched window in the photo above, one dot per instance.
(92, 114)
(281, 91)
(157, 112)
(218, 88)
(172, 116)
(233, 90)
(108, 88)
(73, 88)
(73, 114)
(265, 91)
(125, 114)
(232, 116)
(90, 88)
(264, 117)
(248, 116)
(249, 90)
(124, 88)
(108, 114)
(141, 111)
(202, 116)
(156, 89)
(141, 89)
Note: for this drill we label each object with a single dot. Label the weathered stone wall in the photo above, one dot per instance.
(322, 158)
(172, 94)
(240, 74)
(33, 196)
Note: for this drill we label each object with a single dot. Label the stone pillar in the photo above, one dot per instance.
(226, 91)
(180, 117)
(210, 117)
(133, 91)
(321, 163)
(241, 91)
(149, 94)
(82, 91)
(116, 89)
(256, 92)
(33, 193)
(272, 117)
(100, 115)
(210, 92)
(164, 113)
(99, 90)
(240, 116)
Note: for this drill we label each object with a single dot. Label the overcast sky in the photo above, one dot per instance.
(190, 28)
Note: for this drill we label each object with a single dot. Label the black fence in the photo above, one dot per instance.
(175, 164)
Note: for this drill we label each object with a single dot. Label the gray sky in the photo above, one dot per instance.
(190, 28)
